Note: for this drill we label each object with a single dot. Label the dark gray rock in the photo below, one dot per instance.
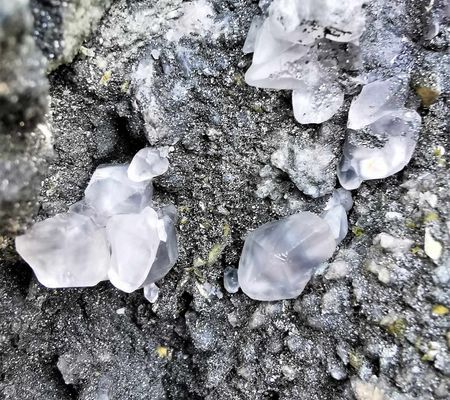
(24, 136)
(370, 329)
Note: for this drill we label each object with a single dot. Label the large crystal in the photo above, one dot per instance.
(65, 251)
(279, 257)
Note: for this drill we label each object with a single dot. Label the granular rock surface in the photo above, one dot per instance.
(373, 322)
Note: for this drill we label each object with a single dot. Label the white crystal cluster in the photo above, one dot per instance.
(379, 112)
(294, 47)
(113, 233)
(279, 258)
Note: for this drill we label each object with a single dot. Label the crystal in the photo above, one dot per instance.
(147, 164)
(167, 253)
(279, 257)
(340, 197)
(296, 48)
(336, 218)
(113, 233)
(379, 112)
(110, 192)
(66, 250)
(230, 280)
(151, 292)
(376, 100)
(134, 240)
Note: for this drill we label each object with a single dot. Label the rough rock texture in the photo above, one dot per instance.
(372, 323)
(61, 26)
(24, 136)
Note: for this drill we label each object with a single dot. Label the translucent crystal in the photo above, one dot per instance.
(379, 111)
(250, 40)
(151, 292)
(336, 218)
(146, 164)
(167, 253)
(111, 233)
(230, 280)
(279, 257)
(335, 213)
(110, 192)
(65, 251)
(376, 100)
(340, 197)
(134, 240)
(290, 52)
(360, 163)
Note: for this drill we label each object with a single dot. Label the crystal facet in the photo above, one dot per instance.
(110, 192)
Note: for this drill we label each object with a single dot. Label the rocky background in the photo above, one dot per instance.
(86, 82)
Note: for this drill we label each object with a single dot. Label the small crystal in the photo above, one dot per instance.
(151, 292)
(65, 251)
(336, 218)
(230, 280)
(340, 197)
(146, 164)
(279, 257)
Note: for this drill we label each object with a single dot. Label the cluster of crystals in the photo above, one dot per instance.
(299, 47)
(279, 258)
(113, 233)
(379, 112)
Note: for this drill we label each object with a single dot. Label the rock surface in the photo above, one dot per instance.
(371, 322)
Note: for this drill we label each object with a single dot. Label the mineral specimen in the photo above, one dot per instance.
(230, 280)
(113, 233)
(279, 258)
(379, 112)
(295, 48)
(146, 164)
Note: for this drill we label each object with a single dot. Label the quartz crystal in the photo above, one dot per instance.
(230, 280)
(379, 111)
(147, 164)
(293, 49)
(65, 251)
(279, 257)
(113, 233)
